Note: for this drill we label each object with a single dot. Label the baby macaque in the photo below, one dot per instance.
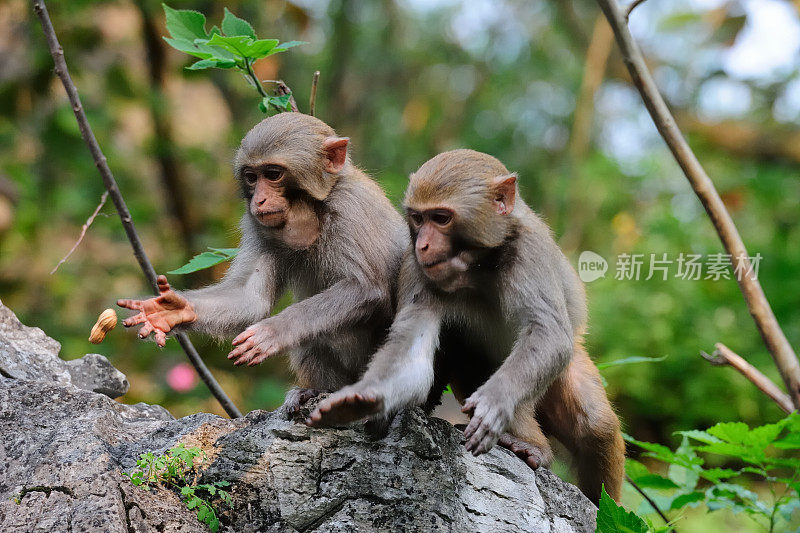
(490, 304)
(316, 225)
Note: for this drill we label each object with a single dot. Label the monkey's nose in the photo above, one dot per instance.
(261, 202)
(423, 247)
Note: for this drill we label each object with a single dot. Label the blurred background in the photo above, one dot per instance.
(538, 84)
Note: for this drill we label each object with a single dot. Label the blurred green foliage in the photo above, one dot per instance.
(406, 79)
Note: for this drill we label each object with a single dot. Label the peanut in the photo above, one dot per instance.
(105, 323)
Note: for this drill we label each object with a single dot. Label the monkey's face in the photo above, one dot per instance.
(440, 258)
(265, 186)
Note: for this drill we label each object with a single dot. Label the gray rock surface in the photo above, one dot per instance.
(64, 447)
(27, 353)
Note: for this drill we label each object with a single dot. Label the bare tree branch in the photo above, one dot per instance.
(725, 356)
(312, 102)
(119, 202)
(633, 5)
(88, 223)
(774, 338)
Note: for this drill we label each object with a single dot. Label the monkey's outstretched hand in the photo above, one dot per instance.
(160, 314)
(345, 406)
(259, 342)
(489, 419)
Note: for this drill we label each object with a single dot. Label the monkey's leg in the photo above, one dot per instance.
(576, 411)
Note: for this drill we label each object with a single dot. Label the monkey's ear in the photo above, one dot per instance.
(504, 191)
(335, 153)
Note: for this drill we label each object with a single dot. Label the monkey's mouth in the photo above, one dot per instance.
(271, 218)
(434, 263)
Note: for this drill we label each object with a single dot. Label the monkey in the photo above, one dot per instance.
(314, 224)
(488, 303)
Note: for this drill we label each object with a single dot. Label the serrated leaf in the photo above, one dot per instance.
(260, 48)
(736, 432)
(630, 360)
(200, 262)
(686, 499)
(282, 102)
(612, 518)
(233, 25)
(185, 24)
(211, 63)
(685, 475)
(236, 44)
(200, 49)
(701, 436)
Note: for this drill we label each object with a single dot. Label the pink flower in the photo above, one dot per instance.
(182, 377)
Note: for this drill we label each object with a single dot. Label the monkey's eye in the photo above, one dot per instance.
(273, 174)
(250, 177)
(442, 219)
(416, 219)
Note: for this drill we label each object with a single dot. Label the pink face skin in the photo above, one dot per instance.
(434, 248)
(268, 204)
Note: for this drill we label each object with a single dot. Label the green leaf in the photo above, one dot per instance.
(205, 260)
(685, 475)
(654, 481)
(212, 63)
(612, 518)
(686, 499)
(285, 46)
(231, 253)
(282, 103)
(715, 475)
(630, 360)
(233, 25)
(185, 24)
(260, 48)
(236, 44)
(199, 48)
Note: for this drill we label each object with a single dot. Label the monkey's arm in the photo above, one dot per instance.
(542, 350)
(344, 303)
(400, 374)
(245, 295)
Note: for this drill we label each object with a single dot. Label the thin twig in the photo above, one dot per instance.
(119, 202)
(633, 5)
(650, 501)
(725, 356)
(774, 338)
(283, 89)
(88, 223)
(312, 101)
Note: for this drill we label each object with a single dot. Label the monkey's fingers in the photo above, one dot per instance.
(243, 336)
(474, 422)
(146, 330)
(264, 354)
(345, 408)
(161, 338)
(468, 407)
(135, 305)
(135, 319)
(163, 284)
(241, 349)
